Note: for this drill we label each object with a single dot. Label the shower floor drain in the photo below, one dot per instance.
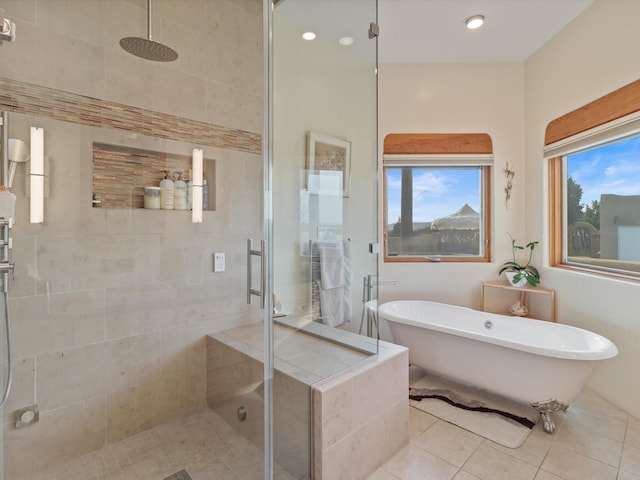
(181, 475)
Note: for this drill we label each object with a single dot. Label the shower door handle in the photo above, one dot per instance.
(259, 253)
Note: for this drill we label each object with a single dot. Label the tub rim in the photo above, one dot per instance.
(607, 349)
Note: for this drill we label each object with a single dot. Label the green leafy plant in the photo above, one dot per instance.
(522, 270)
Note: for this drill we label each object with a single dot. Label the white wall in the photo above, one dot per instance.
(514, 103)
(458, 98)
(573, 69)
(326, 88)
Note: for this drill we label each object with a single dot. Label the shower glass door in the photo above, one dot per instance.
(322, 171)
(135, 354)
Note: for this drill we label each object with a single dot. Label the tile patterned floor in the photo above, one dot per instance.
(594, 441)
(201, 443)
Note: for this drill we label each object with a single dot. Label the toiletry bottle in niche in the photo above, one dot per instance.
(152, 197)
(205, 195)
(180, 193)
(166, 192)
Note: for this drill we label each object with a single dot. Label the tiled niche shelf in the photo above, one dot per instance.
(121, 173)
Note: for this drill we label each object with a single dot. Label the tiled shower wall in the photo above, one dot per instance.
(110, 307)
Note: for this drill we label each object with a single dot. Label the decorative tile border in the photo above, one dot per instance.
(27, 98)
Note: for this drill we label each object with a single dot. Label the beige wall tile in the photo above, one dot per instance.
(59, 436)
(175, 350)
(132, 311)
(111, 307)
(79, 70)
(138, 408)
(379, 387)
(24, 249)
(336, 414)
(227, 21)
(75, 375)
(92, 22)
(186, 12)
(395, 421)
(48, 323)
(144, 357)
(23, 392)
(226, 104)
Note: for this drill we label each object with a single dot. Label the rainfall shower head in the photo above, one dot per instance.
(146, 47)
(18, 153)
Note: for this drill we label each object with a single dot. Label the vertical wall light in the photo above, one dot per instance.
(197, 166)
(36, 175)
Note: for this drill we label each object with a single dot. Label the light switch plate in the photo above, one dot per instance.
(218, 262)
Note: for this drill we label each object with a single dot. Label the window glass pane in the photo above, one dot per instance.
(602, 208)
(434, 211)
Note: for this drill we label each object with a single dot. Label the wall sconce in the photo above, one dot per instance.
(197, 166)
(36, 175)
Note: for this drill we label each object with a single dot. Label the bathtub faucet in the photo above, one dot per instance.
(371, 314)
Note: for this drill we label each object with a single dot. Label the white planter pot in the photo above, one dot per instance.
(521, 283)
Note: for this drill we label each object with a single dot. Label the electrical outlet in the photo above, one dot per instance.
(218, 262)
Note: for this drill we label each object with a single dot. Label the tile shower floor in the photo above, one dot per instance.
(201, 443)
(594, 441)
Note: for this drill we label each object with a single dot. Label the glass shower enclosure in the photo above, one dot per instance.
(135, 353)
(322, 198)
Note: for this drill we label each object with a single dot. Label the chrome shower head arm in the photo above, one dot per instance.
(149, 19)
(148, 48)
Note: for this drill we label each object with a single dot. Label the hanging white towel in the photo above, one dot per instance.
(335, 282)
(335, 263)
(335, 305)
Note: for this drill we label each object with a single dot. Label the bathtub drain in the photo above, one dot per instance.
(488, 324)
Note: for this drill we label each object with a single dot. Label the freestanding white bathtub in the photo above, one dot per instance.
(527, 360)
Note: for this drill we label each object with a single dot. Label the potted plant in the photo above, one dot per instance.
(520, 274)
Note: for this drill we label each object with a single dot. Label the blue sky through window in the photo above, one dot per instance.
(437, 192)
(613, 168)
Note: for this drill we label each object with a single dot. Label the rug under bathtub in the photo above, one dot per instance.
(493, 417)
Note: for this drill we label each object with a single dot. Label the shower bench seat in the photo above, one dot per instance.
(329, 399)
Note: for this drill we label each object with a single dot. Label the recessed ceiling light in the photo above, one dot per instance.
(474, 22)
(346, 41)
(309, 36)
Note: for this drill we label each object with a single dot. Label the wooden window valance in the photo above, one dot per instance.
(612, 106)
(437, 144)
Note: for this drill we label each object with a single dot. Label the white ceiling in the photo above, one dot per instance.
(426, 31)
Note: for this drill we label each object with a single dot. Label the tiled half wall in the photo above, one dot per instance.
(358, 411)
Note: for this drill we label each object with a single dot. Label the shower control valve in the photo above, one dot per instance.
(5, 267)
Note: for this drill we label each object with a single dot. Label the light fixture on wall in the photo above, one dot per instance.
(197, 167)
(36, 175)
(476, 21)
